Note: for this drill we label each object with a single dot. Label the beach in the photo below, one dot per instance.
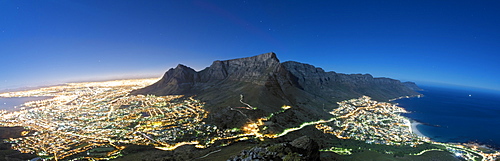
(414, 128)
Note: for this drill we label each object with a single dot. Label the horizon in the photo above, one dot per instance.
(421, 84)
(50, 42)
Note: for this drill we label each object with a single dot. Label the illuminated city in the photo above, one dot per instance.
(371, 121)
(103, 116)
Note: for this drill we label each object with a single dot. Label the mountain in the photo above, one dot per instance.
(266, 84)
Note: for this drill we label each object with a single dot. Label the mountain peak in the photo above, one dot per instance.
(259, 58)
(181, 66)
(270, 55)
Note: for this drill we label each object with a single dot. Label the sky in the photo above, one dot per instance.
(426, 41)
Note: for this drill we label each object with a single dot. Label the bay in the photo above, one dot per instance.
(9, 104)
(457, 115)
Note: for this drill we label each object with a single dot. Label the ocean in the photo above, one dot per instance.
(10, 104)
(456, 115)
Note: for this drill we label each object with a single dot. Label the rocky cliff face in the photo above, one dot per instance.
(267, 84)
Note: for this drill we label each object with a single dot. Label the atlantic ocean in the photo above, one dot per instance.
(453, 114)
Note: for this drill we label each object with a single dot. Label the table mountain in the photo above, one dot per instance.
(266, 84)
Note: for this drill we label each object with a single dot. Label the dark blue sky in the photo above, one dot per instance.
(46, 42)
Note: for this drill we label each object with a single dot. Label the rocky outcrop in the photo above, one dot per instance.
(307, 147)
(302, 148)
(265, 83)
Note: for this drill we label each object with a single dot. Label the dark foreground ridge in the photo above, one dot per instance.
(266, 84)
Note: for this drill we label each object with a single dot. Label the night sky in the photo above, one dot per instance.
(49, 42)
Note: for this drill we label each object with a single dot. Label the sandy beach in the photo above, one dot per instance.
(414, 128)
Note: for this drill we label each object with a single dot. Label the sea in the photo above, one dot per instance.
(14, 103)
(454, 114)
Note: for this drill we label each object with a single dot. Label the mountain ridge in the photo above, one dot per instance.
(264, 82)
